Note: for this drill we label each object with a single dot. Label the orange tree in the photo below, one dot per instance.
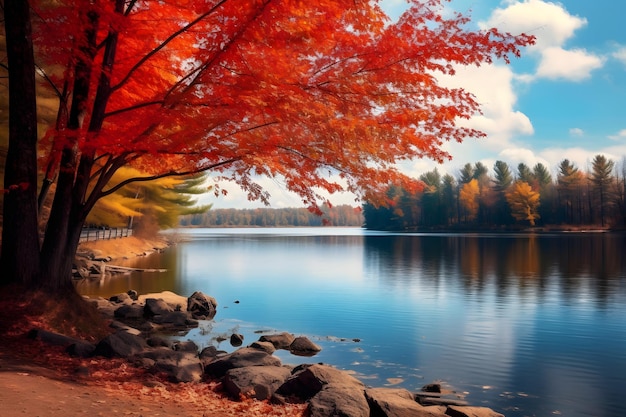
(325, 95)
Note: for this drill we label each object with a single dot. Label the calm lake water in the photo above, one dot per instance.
(529, 325)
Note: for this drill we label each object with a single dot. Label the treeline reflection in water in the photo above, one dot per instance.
(590, 265)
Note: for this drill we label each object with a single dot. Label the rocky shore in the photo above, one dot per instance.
(142, 327)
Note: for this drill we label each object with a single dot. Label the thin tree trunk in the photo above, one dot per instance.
(19, 259)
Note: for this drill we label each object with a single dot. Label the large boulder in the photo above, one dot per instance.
(280, 341)
(179, 366)
(177, 302)
(307, 380)
(397, 402)
(302, 346)
(201, 306)
(339, 400)
(129, 312)
(239, 359)
(156, 306)
(120, 344)
(258, 382)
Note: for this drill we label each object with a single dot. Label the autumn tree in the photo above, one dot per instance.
(524, 202)
(468, 198)
(324, 95)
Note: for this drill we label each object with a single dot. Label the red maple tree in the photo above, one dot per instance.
(325, 95)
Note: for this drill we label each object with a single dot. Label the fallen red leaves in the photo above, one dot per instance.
(18, 315)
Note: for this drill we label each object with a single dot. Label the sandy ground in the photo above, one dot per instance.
(35, 391)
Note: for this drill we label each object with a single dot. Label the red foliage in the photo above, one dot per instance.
(289, 89)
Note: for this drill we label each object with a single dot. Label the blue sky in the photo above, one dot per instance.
(565, 98)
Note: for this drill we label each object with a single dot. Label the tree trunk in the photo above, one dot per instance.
(19, 259)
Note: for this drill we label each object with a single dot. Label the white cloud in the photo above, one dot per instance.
(619, 136)
(576, 131)
(572, 65)
(549, 22)
(620, 54)
(553, 26)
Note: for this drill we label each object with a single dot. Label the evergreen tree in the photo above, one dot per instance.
(601, 179)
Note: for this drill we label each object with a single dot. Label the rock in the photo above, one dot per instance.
(177, 302)
(236, 340)
(73, 346)
(396, 402)
(129, 312)
(339, 400)
(455, 411)
(157, 341)
(239, 359)
(178, 365)
(187, 346)
(133, 295)
(264, 346)
(120, 343)
(201, 306)
(280, 341)
(121, 326)
(122, 298)
(175, 319)
(302, 346)
(259, 382)
(308, 380)
(433, 387)
(156, 307)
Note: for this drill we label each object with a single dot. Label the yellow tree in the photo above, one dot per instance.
(523, 201)
(468, 197)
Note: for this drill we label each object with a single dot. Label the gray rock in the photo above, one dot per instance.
(265, 346)
(154, 307)
(177, 365)
(73, 346)
(201, 306)
(308, 380)
(133, 311)
(120, 343)
(456, 411)
(280, 341)
(395, 402)
(174, 318)
(186, 346)
(339, 400)
(239, 359)
(302, 346)
(258, 382)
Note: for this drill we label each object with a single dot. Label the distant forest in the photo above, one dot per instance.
(506, 199)
(343, 215)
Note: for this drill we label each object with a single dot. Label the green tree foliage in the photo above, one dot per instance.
(524, 173)
(601, 179)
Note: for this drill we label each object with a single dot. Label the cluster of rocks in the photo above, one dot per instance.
(250, 371)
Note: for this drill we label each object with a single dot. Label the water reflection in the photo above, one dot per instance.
(590, 265)
(530, 325)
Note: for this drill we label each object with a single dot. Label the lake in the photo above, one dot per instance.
(527, 324)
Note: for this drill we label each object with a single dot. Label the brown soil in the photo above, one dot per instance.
(40, 380)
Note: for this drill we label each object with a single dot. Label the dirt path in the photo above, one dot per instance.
(35, 391)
